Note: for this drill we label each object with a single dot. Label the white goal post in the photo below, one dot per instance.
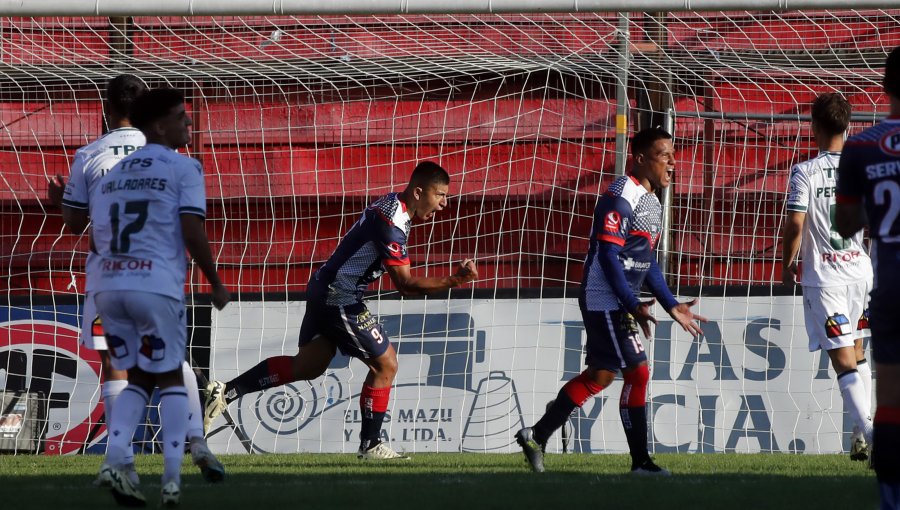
(305, 111)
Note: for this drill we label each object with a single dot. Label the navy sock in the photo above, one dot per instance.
(634, 420)
(554, 418)
(370, 429)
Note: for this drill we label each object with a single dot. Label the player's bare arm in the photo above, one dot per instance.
(55, 189)
(790, 246)
(409, 285)
(197, 243)
(849, 218)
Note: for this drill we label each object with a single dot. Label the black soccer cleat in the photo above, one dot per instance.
(534, 451)
(649, 468)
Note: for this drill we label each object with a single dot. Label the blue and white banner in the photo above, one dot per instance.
(473, 371)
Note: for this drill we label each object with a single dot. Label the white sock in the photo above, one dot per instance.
(855, 403)
(110, 391)
(195, 414)
(865, 371)
(127, 412)
(173, 413)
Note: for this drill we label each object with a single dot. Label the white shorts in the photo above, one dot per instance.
(91, 328)
(836, 316)
(143, 329)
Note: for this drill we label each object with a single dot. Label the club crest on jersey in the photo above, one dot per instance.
(394, 248)
(837, 325)
(613, 220)
(890, 143)
(863, 322)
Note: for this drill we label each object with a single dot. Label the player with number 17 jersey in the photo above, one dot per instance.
(135, 211)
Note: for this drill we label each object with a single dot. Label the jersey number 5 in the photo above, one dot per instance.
(121, 241)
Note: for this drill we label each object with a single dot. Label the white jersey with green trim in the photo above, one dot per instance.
(136, 212)
(828, 259)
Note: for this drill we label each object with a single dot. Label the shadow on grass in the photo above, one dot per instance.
(394, 490)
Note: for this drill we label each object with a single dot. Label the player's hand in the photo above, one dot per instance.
(683, 315)
(643, 317)
(466, 272)
(55, 189)
(789, 274)
(220, 296)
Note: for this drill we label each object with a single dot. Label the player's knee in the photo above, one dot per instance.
(638, 376)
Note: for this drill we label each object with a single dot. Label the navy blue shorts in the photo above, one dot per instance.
(613, 340)
(354, 329)
(884, 322)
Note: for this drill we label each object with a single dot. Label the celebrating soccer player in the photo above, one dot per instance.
(619, 261)
(145, 212)
(337, 318)
(868, 192)
(92, 162)
(837, 272)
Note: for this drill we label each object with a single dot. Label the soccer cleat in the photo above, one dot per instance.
(212, 470)
(649, 468)
(104, 479)
(859, 449)
(380, 451)
(123, 490)
(214, 403)
(170, 495)
(534, 451)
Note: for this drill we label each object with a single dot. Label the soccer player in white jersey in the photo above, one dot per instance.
(92, 162)
(144, 213)
(837, 272)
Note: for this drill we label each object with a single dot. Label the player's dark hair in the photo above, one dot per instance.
(429, 173)
(892, 73)
(154, 105)
(645, 138)
(831, 113)
(121, 92)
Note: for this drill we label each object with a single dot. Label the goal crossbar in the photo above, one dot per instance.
(333, 7)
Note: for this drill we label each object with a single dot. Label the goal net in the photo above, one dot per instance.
(302, 121)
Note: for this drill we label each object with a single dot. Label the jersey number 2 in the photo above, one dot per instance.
(888, 192)
(121, 241)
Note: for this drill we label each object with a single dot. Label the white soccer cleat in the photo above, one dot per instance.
(170, 495)
(214, 403)
(104, 478)
(123, 490)
(212, 470)
(859, 449)
(380, 451)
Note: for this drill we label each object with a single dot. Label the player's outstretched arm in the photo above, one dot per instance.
(197, 244)
(409, 285)
(683, 315)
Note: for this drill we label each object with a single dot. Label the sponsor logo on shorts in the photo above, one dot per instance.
(837, 325)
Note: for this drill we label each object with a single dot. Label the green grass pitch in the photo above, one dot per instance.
(462, 482)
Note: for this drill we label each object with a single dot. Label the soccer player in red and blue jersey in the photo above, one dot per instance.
(868, 193)
(619, 262)
(337, 318)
